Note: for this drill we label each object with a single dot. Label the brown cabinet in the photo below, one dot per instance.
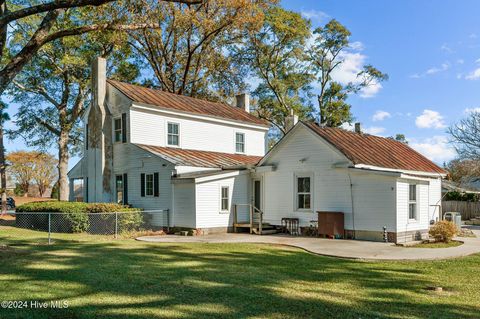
(331, 224)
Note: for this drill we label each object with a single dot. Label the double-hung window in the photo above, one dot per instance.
(240, 142)
(412, 201)
(173, 134)
(224, 198)
(149, 184)
(117, 130)
(304, 195)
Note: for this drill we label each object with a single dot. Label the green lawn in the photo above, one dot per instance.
(103, 278)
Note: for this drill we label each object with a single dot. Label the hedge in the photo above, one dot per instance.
(78, 217)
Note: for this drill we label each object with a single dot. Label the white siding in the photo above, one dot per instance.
(184, 205)
(303, 152)
(208, 201)
(134, 161)
(150, 128)
(403, 222)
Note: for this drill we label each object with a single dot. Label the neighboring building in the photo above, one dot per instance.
(199, 159)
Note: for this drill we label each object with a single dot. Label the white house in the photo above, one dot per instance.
(205, 163)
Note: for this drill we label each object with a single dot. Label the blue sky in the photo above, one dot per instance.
(429, 49)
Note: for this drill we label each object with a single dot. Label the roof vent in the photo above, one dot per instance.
(358, 128)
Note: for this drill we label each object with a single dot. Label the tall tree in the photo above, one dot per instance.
(190, 53)
(22, 168)
(465, 136)
(4, 117)
(463, 170)
(44, 174)
(327, 55)
(53, 92)
(276, 53)
(45, 16)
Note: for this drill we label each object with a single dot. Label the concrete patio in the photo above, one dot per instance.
(336, 248)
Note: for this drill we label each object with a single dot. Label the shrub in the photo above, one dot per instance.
(75, 218)
(443, 231)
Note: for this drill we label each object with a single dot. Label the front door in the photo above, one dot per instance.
(257, 194)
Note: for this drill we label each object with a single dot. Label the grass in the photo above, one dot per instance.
(452, 243)
(103, 278)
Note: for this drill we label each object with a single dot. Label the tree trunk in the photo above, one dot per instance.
(63, 158)
(3, 176)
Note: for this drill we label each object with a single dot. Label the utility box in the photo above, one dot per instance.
(455, 218)
(331, 224)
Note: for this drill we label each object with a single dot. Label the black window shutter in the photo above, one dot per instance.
(125, 189)
(86, 190)
(86, 136)
(142, 185)
(155, 185)
(124, 127)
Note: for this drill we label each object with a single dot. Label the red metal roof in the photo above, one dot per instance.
(183, 103)
(375, 150)
(184, 157)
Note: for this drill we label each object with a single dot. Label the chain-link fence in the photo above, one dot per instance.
(42, 226)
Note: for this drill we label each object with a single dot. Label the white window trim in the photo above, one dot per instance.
(235, 142)
(179, 134)
(295, 193)
(121, 130)
(416, 219)
(225, 211)
(153, 184)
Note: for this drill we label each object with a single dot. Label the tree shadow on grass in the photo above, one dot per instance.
(127, 279)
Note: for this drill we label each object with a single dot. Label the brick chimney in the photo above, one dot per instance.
(290, 121)
(358, 128)
(243, 101)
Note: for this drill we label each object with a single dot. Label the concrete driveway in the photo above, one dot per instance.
(355, 249)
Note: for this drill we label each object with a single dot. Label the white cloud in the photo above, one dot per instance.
(374, 130)
(435, 148)
(477, 60)
(430, 119)
(471, 110)
(348, 126)
(460, 61)
(472, 36)
(315, 15)
(380, 116)
(357, 46)
(433, 70)
(474, 75)
(443, 67)
(446, 48)
(347, 72)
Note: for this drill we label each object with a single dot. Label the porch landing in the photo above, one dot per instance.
(336, 248)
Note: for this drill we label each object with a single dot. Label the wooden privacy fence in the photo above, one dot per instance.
(467, 209)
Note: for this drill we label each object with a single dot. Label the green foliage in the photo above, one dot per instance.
(464, 197)
(75, 219)
(331, 44)
(399, 138)
(19, 190)
(443, 231)
(277, 55)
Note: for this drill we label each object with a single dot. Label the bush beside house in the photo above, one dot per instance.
(443, 231)
(77, 217)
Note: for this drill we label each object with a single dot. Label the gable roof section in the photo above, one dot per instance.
(171, 101)
(184, 157)
(376, 151)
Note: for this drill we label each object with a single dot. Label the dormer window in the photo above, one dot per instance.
(240, 142)
(173, 134)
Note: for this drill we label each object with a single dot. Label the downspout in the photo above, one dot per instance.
(352, 203)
